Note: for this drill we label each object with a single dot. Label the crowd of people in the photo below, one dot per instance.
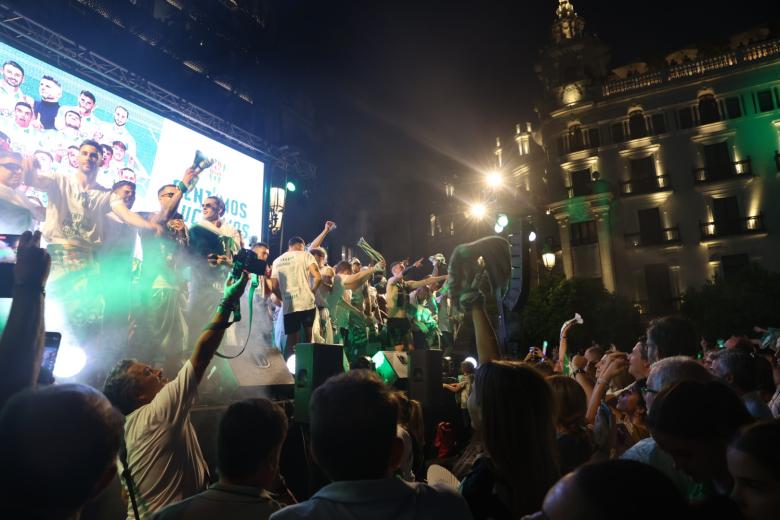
(663, 430)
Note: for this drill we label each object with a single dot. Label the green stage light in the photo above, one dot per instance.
(502, 220)
(291, 186)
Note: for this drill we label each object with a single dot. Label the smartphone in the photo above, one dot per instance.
(51, 347)
(8, 245)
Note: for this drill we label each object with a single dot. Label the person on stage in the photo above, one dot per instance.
(397, 295)
(213, 242)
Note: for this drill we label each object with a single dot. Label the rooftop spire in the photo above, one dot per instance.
(569, 25)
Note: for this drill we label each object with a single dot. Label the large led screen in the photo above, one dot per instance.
(48, 112)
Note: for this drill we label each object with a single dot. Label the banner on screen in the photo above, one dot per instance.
(47, 112)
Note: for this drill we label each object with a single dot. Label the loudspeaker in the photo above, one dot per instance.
(314, 363)
(520, 279)
(260, 372)
(392, 366)
(425, 376)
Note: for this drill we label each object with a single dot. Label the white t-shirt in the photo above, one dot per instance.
(292, 271)
(76, 217)
(162, 449)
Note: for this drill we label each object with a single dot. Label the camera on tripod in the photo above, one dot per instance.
(246, 260)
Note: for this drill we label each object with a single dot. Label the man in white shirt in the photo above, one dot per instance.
(75, 214)
(290, 281)
(163, 453)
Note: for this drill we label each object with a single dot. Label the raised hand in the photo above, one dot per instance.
(234, 288)
(32, 263)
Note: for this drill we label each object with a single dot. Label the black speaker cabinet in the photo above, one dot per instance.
(425, 368)
(260, 372)
(314, 363)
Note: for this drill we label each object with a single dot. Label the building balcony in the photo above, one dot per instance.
(724, 172)
(742, 226)
(667, 237)
(645, 186)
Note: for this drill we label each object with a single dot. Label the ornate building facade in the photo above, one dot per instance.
(653, 178)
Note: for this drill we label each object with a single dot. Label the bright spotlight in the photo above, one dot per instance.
(70, 361)
(502, 220)
(471, 360)
(291, 364)
(290, 186)
(478, 210)
(498, 228)
(494, 179)
(532, 236)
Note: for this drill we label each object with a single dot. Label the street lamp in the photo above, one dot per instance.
(478, 210)
(548, 257)
(494, 179)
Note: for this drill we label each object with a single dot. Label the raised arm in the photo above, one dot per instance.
(211, 337)
(33, 178)
(617, 363)
(22, 341)
(317, 242)
(416, 284)
(134, 219)
(415, 265)
(353, 281)
(173, 204)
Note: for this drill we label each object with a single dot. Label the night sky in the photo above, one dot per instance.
(416, 89)
(405, 92)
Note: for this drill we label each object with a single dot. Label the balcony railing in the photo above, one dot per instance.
(737, 169)
(756, 52)
(645, 185)
(739, 226)
(584, 190)
(666, 237)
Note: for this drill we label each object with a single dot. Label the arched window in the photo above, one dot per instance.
(708, 109)
(637, 124)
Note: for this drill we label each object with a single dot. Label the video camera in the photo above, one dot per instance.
(246, 260)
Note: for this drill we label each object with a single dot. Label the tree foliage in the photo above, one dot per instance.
(736, 304)
(608, 318)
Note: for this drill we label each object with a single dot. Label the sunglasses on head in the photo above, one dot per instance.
(12, 167)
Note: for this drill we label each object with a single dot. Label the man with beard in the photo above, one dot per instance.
(48, 107)
(90, 124)
(119, 132)
(10, 88)
(74, 227)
